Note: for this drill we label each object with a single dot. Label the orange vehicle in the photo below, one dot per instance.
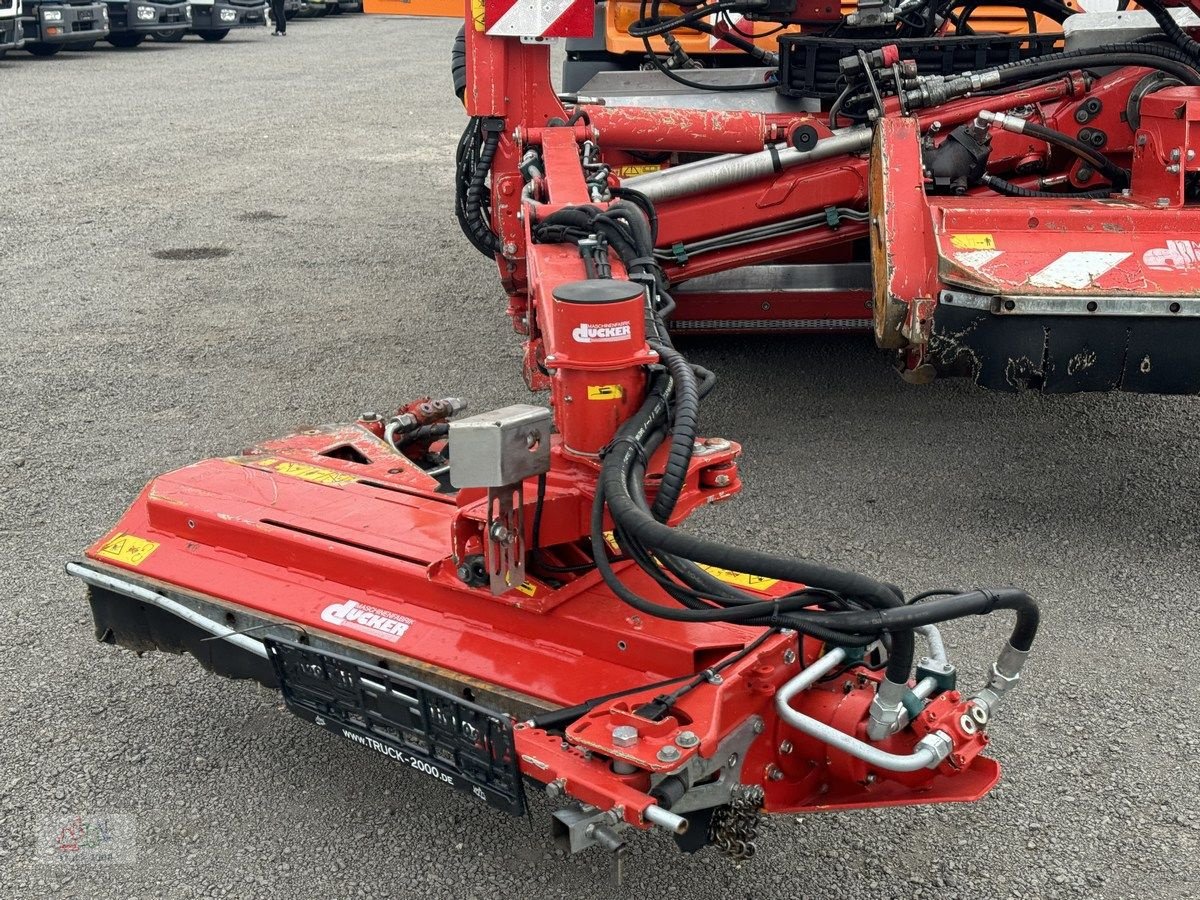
(612, 48)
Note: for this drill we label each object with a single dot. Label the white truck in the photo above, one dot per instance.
(11, 32)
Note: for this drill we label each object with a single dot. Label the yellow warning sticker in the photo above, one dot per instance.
(127, 548)
(477, 14)
(605, 392)
(741, 579)
(634, 171)
(527, 588)
(611, 540)
(315, 474)
(972, 242)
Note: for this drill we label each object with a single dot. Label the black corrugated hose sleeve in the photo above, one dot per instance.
(1002, 186)
(1171, 29)
(684, 422)
(1165, 59)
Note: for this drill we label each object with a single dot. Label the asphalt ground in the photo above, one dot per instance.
(309, 179)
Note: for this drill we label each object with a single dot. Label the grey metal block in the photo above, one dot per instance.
(501, 447)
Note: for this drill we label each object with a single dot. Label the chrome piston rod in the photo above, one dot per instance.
(708, 175)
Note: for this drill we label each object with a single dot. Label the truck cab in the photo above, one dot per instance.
(214, 19)
(10, 26)
(50, 25)
(132, 21)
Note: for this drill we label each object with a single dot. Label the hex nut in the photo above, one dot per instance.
(624, 736)
(687, 739)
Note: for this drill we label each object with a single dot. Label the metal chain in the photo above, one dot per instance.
(734, 828)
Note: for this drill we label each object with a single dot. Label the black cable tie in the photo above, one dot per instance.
(631, 441)
(776, 163)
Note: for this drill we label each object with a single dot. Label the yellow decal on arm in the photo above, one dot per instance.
(634, 171)
(315, 474)
(972, 242)
(127, 548)
(741, 579)
(605, 392)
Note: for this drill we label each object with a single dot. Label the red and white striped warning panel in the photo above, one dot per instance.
(539, 18)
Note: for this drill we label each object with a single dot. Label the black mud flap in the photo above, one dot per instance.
(434, 733)
(1067, 354)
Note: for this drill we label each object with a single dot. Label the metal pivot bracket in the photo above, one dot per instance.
(498, 450)
(504, 546)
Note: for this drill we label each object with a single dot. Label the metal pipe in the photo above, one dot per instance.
(683, 180)
(928, 753)
(664, 818)
(108, 582)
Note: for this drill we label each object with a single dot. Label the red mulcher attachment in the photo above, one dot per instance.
(503, 599)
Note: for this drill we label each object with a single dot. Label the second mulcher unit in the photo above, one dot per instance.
(50, 25)
(132, 21)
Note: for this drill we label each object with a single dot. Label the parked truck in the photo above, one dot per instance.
(212, 20)
(132, 21)
(50, 25)
(10, 26)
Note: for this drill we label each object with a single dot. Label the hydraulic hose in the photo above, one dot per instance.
(1009, 189)
(1118, 176)
(1148, 56)
(1171, 29)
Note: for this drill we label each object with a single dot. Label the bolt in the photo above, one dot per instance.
(785, 748)
(1175, 154)
(687, 739)
(1173, 169)
(789, 656)
(500, 534)
(732, 761)
(668, 754)
(624, 736)
(721, 481)
(774, 773)
(758, 726)
(1191, 154)
(509, 249)
(556, 789)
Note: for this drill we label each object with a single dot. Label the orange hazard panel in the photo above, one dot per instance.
(449, 9)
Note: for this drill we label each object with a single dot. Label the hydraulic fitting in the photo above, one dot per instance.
(886, 710)
(1006, 674)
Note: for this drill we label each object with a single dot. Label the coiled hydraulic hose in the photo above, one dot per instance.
(476, 150)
